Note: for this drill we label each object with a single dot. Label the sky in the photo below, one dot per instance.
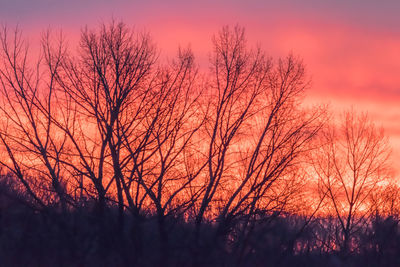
(351, 48)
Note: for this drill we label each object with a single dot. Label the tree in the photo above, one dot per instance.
(256, 133)
(104, 92)
(218, 161)
(107, 122)
(351, 163)
(30, 143)
(111, 124)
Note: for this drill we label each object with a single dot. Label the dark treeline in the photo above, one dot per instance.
(110, 157)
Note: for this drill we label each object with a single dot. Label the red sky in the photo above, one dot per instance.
(351, 50)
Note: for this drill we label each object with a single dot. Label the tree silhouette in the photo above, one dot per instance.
(110, 145)
(351, 164)
(27, 133)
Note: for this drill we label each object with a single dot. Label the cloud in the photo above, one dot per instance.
(350, 48)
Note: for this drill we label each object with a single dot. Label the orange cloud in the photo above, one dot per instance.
(350, 63)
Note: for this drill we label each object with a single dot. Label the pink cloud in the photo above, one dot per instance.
(350, 64)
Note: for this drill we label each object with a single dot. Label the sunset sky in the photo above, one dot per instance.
(351, 48)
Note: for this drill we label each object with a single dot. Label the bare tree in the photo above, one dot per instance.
(28, 136)
(351, 164)
(384, 200)
(105, 93)
(256, 133)
(131, 123)
(111, 124)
